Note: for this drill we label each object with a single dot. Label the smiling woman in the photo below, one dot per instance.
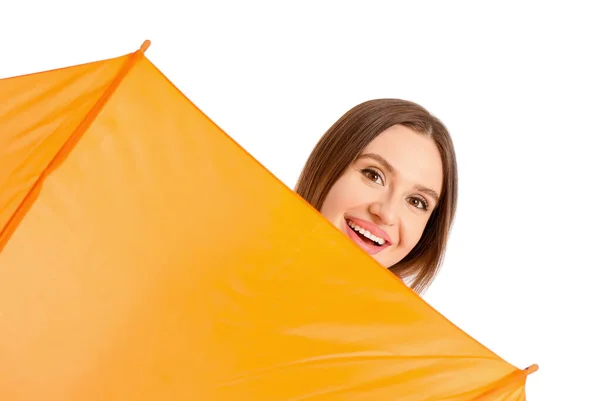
(385, 174)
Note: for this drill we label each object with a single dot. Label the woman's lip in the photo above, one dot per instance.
(373, 229)
(371, 249)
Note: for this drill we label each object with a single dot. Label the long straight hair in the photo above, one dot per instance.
(343, 143)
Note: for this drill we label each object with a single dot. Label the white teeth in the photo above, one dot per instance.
(366, 233)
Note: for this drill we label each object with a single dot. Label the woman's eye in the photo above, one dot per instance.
(372, 175)
(419, 203)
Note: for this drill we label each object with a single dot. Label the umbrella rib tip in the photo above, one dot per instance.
(145, 46)
(531, 369)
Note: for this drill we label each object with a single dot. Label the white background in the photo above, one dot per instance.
(516, 83)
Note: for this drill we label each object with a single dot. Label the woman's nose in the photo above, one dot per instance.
(386, 212)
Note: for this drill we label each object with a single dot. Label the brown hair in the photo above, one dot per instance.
(344, 142)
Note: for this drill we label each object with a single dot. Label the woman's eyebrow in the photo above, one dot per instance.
(429, 192)
(378, 158)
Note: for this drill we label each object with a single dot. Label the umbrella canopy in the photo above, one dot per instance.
(144, 255)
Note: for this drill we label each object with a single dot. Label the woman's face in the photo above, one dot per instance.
(384, 199)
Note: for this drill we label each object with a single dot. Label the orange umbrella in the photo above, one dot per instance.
(144, 255)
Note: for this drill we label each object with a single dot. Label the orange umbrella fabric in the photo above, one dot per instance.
(144, 255)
